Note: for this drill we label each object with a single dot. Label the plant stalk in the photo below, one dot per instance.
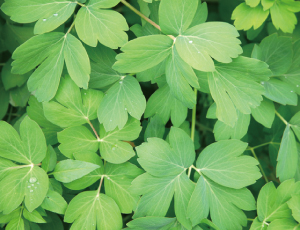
(259, 165)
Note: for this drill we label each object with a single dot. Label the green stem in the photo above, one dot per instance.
(80, 4)
(261, 169)
(144, 17)
(281, 118)
(94, 130)
(203, 127)
(70, 28)
(250, 219)
(261, 145)
(193, 125)
(2, 64)
(99, 188)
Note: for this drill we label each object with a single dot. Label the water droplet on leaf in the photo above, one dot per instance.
(44, 19)
(31, 190)
(190, 41)
(32, 180)
(55, 15)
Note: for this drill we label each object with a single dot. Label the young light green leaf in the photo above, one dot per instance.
(155, 128)
(29, 148)
(247, 17)
(288, 224)
(49, 52)
(201, 14)
(74, 106)
(264, 113)
(156, 155)
(49, 14)
(54, 202)
(287, 156)
(143, 53)
(90, 209)
(29, 184)
(237, 85)
(199, 44)
(49, 162)
(122, 98)
(252, 3)
(176, 16)
(107, 26)
(257, 225)
(179, 77)
(69, 170)
(113, 145)
(33, 216)
(163, 103)
(151, 222)
(222, 162)
(117, 181)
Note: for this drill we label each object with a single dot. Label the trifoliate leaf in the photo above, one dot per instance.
(73, 106)
(29, 183)
(90, 209)
(113, 146)
(225, 156)
(247, 17)
(264, 113)
(199, 44)
(29, 147)
(69, 170)
(143, 53)
(287, 156)
(117, 181)
(54, 202)
(224, 204)
(107, 26)
(271, 202)
(179, 77)
(176, 16)
(49, 14)
(163, 103)
(283, 15)
(238, 131)
(49, 51)
(122, 98)
(237, 84)
(102, 74)
(156, 155)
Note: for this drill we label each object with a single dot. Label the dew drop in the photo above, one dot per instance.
(198, 52)
(31, 190)
(110, 120)
(38, 182)
(125, 108)
(297, 85)
(84, 93)
(55, 15)
(32, 185)
(190, 42)
(120, 82)
(35, 187)
(32, 180)
(108, 178)
(262, 82)
(28, 186)
(292, 91)
(44, 19)
(113, 149)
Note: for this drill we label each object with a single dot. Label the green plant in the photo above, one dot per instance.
(189, 125)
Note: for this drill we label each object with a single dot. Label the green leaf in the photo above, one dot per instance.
(176, 16)
(107, 26)
(54, 202)
(256, 225)
(49, 51)
(74, 106)
(277, 52)
(103, 3)
(16, 224)
(199, 44)
(90, 209)
(222, 162)
(247, 17)
(117, 182)
(224, 204)
(287, 156)
(293, 204)
(29, 148)
(287, 224)
(113, 145)
(143, 53)
(156, 155)
(49, 162)
(271, 202)
(33, 216)
(283, 15)
(49, 14)
(35, 112)
(237, 85)
(238, 131)
(122, 98)
(69, 170)
(264, 113)
(28, 183)
(151, 222)
(252, 3)
(179, 77)
(163, 103)
(155, 128)
(4, 101)
(201, 14)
